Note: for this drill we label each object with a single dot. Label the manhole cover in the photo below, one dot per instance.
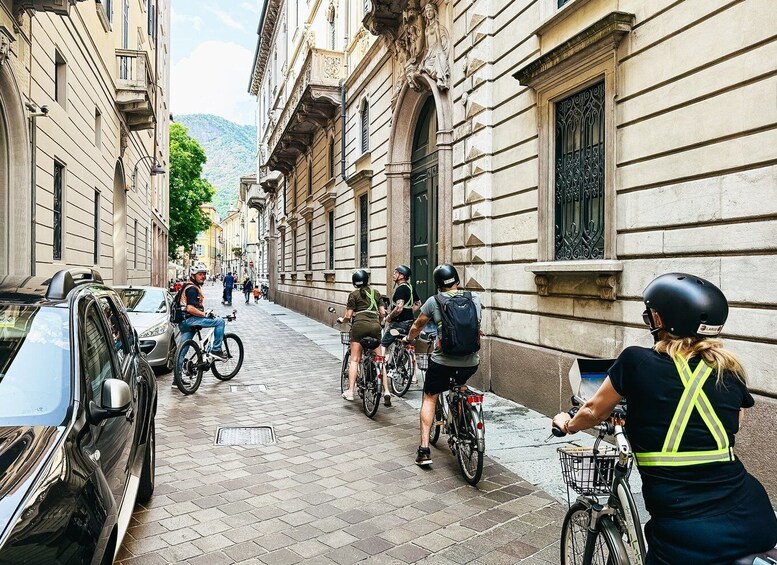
(248, 388)
(258, 435)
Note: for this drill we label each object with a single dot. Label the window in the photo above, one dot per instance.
(309, 263)
(135, 239)
(331, 158)
(148, 249)
(125, 26)
(108, 9)
(293, 250)
(95, 355)
(152, 19)
(332, 32)
(365, 127)
(283, 252)
(118, 338)
(364, 214)
(98, 129)
(331, 240)
(310, 176)
(60, 78)
(579, 183)
(96, 229)
(562, 2)
(59, 174)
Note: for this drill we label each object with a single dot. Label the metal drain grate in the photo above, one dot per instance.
(258, 435)
(248, 388)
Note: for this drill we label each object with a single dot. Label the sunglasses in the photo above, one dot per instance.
(647, 318)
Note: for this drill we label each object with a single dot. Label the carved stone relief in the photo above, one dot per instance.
(5, 45)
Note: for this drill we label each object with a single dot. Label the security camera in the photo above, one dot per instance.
(44, 110)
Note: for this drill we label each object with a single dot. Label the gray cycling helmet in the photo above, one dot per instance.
(198, 270)
(360, 278)
(405, 271)
(689, 306)
(445, 276)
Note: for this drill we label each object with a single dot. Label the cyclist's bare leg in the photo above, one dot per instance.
(384, 351)
(427, 417)
(353, 369)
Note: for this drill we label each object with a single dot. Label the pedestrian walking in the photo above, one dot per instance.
(256, 294)
(229, 285)
(248, 287)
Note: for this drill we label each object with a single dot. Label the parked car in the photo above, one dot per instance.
(77, 406)
(148, 308)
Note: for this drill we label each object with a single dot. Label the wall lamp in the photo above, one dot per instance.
(156, 169)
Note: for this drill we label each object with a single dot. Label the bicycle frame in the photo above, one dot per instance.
(452, 425)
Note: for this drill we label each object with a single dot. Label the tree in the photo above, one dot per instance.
(188, 190)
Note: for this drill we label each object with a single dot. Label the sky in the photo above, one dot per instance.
(212, 50)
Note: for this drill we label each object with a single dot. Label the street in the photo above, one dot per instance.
(335, 488)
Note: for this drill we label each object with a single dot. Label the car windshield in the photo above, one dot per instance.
(143, 300)
(34, 365)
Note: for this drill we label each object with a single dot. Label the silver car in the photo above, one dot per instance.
(148, 308)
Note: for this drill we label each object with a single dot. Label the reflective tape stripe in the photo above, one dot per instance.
(686, 458)
(409, 304)
(372, 308)
(693, 383)
(702, 403)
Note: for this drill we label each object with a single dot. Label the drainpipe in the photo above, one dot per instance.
(35, 113)
(342, 129)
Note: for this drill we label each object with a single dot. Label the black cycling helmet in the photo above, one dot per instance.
(405, 271)
(689, 306)
(360, 278)
(445, 276)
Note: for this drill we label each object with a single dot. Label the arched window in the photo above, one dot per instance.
(365, 126)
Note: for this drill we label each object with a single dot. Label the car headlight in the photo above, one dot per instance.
(155, 330)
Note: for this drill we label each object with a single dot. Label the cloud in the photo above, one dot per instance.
(181, 19)
(226, 19)
(213, 79)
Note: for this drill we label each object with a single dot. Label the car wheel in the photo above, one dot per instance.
(148, 472)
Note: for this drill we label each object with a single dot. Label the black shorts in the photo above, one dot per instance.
(438, 377)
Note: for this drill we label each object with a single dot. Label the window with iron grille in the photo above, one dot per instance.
(96, 229)
(365, 127)
(293, 250)
(135, 239)
(331, 240)
(283, 253)
(310, 176)
(108, 4)
(309, 262)
(364, 214)
(579, 175)
(59, 179)
(331, 157)
(562, 2)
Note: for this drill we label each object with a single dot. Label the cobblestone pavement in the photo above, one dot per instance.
(336, 488)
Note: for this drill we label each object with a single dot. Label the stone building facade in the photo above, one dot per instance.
(84, 117)
(561, 153)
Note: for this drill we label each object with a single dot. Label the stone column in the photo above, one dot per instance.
(445, 196)
(398, 208)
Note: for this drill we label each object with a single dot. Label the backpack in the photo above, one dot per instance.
(460, 333)
(177, 313)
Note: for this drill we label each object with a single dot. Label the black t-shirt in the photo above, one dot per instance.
(192, 296)
(402, 292)
(652, 387)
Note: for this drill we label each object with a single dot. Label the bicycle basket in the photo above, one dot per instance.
(345, 338)
(422, 361)
(586, 473)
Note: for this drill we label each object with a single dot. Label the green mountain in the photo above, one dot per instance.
(231, 152)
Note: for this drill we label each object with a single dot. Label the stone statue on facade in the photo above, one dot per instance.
(435, 63)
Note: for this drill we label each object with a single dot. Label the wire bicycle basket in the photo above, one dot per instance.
(422, 361)
(345, 338)
(586, 472)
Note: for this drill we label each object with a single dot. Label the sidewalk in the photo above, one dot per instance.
(336, 487)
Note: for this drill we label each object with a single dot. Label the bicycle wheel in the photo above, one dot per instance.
(629, 523)
(608, 548)
(434, 431)
(402, 374)
(233, 348)
(470, 458)
(372, 389)
(344, 372)
(188, 368)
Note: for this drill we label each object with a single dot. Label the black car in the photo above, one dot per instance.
(77, 405)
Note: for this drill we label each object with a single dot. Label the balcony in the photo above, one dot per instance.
(313, 102)
(135, 89)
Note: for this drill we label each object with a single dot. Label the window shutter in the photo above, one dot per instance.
(366, 127)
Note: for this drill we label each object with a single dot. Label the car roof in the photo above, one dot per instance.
(24, 290)
(41, 291)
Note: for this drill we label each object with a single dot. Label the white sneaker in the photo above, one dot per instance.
(348, 395)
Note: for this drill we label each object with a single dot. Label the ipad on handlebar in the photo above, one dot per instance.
(587, 375)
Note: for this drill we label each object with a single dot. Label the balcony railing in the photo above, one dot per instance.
(135, 88)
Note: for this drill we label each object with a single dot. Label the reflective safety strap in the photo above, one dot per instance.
(409, 304)
(372, 308)
(693, 397)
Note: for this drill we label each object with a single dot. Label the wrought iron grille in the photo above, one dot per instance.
(57, 209)
(309, 262)
(331, 255)
(579, 191)
(364, 214)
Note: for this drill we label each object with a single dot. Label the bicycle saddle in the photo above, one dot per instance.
(370, 343)
(767, 558)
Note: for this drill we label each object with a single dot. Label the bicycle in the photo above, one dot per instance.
(459, 413)
(369, 378)
(197, 358)
(400, 364)
(593, 533)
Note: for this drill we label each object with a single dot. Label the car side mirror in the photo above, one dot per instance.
(115, 400)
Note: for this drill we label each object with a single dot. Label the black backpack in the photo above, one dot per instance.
(177, 313)
(460, 325)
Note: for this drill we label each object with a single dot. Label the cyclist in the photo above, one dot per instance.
(192, 301)
(366, 312)
(400, 318)
(686, 396)
(442, 367)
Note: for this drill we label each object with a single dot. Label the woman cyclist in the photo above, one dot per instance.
(366, 310)
(685, 399)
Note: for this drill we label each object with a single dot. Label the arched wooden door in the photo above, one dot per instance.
(423, 206)
(119, 226)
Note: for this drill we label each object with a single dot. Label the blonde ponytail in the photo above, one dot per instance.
(711, 351)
